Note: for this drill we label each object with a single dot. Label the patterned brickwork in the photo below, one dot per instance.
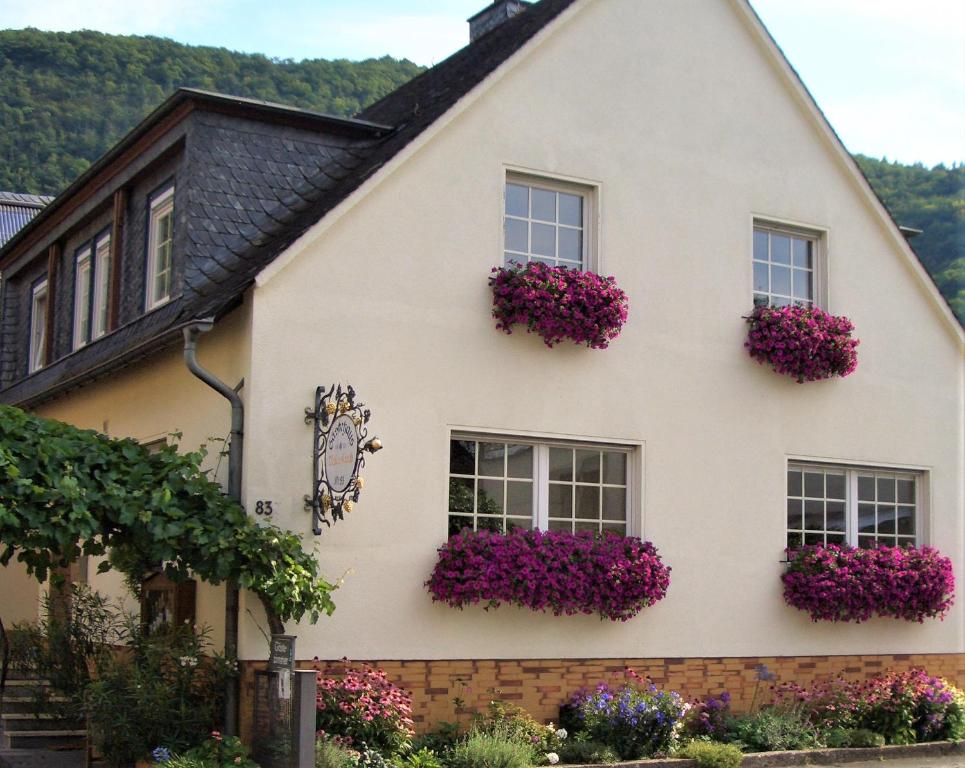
(541, 685)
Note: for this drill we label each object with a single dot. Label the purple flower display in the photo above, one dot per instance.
(838, 583)
(614, 576)
(804, 342)
(558, 303)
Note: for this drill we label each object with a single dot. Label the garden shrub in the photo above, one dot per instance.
(805, 343)
(710, 718)
(607, 574)
(587, 753)
(421, 758)
(516, 724)
(843, 583)
(490, 750)
(361, 707)
(558, 303)
(774, 729)
(218, 750)
(636, 720)
(331, 754)
(850, 738)
(711, 754)
(162, 690)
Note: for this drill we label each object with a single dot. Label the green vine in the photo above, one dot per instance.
(67, 492)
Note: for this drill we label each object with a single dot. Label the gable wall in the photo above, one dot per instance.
(689, 133)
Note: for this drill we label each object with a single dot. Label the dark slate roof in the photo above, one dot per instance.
(16, 210)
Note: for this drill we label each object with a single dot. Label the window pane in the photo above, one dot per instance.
(458, 523)
(614, 504)
(814, 485)
(587, 503)
(560, 500)
(906, 521)
(544, 205)
(561, 525)
(867, 542)
(866, 488)
(906, 491)
(588, 466)
(781, 280)
(519, 499)
(836, 538)
(517, 236)
(614, 468)
(586, 526)
(489, 500)
(517, 200)
(795, 512)
(802, 253)
(814, 515)
(619, 528)
(571, 244)
(813, 538)
(518, 524)
(866, 518)
(561, 464)
(571, 209)
(886, 489)
(760, 277)
(460, 495)
(492, 524)
(794, 486)
(760, 245)
(886, 520)
(544, 239)
(802, 284)
(491, 459)
(462, 457)
(836, 485)
(835, 516)
(520, 460)
(780, 249)
(794, 540)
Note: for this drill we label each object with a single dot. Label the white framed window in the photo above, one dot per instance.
(860, 506)
(92, 268)
(160, 249)
(786, 265)
(499, 484)
(546, 220)
(38, 326)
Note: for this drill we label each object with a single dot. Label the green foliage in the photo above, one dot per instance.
(712, 754)
(515, 723)
(587, 753)
(773, 729)
(67, 492)
(853, 738)
(933, 200)
(163, 690)
(218, 751)
(441, 740)
(330, 754)
(422, 758)
(182, 761)
(490, 750)
(64, 646)
(67, 97)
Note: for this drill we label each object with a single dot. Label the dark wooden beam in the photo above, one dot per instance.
(117, 249)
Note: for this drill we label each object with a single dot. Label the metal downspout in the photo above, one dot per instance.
(235, 454)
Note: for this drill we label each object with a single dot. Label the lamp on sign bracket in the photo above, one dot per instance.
(340, 442)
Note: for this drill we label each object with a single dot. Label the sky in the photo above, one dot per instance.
(889, 74)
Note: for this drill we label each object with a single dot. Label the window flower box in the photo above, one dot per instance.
(567, 573)
(558, 303)
(841, 583)
(804, 342)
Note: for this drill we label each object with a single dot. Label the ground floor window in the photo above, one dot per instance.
(858, 506)
(501, 484)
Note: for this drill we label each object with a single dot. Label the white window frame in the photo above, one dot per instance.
(818, 238)
(38, 330)
(83, 277)
(100, 317)
(587, 191)
(852, 473)
(161, 206)
(541, 471)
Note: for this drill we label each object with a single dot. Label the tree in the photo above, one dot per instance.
(67, 492)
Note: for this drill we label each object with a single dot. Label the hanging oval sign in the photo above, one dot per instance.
(341, 453)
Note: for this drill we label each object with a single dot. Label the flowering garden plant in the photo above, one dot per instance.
(841, 583)
(804, 342)
(614, 576)
(359, 707)
(635, 719)
(558, 303)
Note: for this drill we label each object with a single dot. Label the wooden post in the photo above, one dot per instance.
(53, 257)
(117, 250)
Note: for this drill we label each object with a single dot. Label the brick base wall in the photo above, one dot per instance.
(541, 685)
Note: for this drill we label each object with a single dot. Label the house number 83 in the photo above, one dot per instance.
(263, 507)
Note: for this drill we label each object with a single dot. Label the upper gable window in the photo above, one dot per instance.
(160, 249)
(38, 326)
(91, 290)
(785, 266)
(546, 221)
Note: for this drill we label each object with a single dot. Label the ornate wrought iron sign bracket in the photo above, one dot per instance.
(340, 432)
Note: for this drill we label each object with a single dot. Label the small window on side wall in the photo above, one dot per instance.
(786, 266)
(548, 221)
(92, 267)
(38, 326)
(160, 249)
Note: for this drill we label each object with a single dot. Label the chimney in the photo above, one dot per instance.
(494, 15)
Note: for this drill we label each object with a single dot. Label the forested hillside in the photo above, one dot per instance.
(65, 98)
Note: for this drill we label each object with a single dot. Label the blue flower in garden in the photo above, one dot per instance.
(161, 754)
